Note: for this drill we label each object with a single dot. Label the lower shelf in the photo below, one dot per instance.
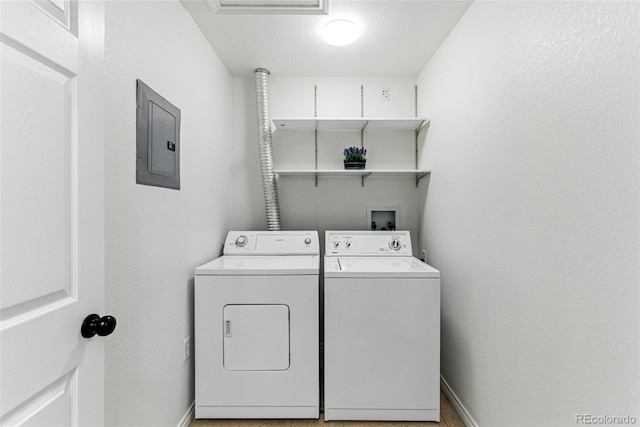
(364, 173)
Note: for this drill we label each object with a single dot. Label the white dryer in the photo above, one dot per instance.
(257, 326)
(381, 329)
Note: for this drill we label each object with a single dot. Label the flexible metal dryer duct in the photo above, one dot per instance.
(263, 105)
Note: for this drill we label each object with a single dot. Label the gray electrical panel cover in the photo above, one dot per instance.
(157, 139)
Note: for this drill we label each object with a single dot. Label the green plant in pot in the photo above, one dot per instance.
(355, 158)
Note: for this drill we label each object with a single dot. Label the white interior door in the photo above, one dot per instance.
(51, 211)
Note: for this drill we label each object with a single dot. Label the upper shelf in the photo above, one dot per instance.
(357, 124)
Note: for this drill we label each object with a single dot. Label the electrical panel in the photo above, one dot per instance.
(157, 139)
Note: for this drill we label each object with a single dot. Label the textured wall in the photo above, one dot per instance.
(341, 203)
(155, 237)
(532, 212)
(246, 196)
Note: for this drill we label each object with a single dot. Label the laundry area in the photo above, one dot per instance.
(436, 222)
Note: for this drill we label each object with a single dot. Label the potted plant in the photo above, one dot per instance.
(354, 158)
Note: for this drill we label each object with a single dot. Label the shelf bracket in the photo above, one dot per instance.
(363, 177)
(315, 154)
(419, 176)
(422, 125)
(315, 141)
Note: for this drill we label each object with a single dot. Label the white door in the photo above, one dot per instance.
(256, 337)
(51, 211)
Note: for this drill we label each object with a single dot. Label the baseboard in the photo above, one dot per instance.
(188, 416)
(466, 417)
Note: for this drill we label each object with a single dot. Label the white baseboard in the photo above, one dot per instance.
(188, 416)
(466, 417)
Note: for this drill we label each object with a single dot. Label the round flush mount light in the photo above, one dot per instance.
(340, 32)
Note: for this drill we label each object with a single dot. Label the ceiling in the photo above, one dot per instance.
(397, 37)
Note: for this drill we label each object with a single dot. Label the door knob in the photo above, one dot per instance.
(94, 324)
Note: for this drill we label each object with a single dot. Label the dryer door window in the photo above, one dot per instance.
(256, 337)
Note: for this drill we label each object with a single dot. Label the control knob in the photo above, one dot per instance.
(307, 241)
(394, 244)
(336, 245)
(241, 240)
(347, 244)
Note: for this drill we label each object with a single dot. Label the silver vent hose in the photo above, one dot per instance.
(263, 105)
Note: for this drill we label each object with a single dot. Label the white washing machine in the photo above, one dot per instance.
(381, 329)
(257, 327)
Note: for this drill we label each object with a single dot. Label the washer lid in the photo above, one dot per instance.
(229, 265)
(377, 267)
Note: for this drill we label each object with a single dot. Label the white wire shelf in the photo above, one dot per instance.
(355, 124)
(364, 173)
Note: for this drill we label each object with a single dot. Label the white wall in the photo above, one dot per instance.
(532, 209)
(341, 203)
(155, 237)
(246, 195)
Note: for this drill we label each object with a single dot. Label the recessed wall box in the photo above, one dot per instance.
(157, 139)
(383, 218)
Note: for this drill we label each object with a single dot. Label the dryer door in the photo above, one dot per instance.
(256, 337)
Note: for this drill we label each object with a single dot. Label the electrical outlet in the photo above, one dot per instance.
(423, 256)
(186, 345)
(385, 94)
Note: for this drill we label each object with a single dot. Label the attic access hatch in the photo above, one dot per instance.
(297, 7)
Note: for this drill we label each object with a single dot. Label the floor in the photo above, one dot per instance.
(448, 418)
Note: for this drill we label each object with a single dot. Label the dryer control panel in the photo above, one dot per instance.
(368, 243)
(272, 243)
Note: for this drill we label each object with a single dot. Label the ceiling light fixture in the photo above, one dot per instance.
(340, 32)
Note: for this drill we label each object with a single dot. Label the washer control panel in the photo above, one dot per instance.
(369, 243)
(272, 243)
